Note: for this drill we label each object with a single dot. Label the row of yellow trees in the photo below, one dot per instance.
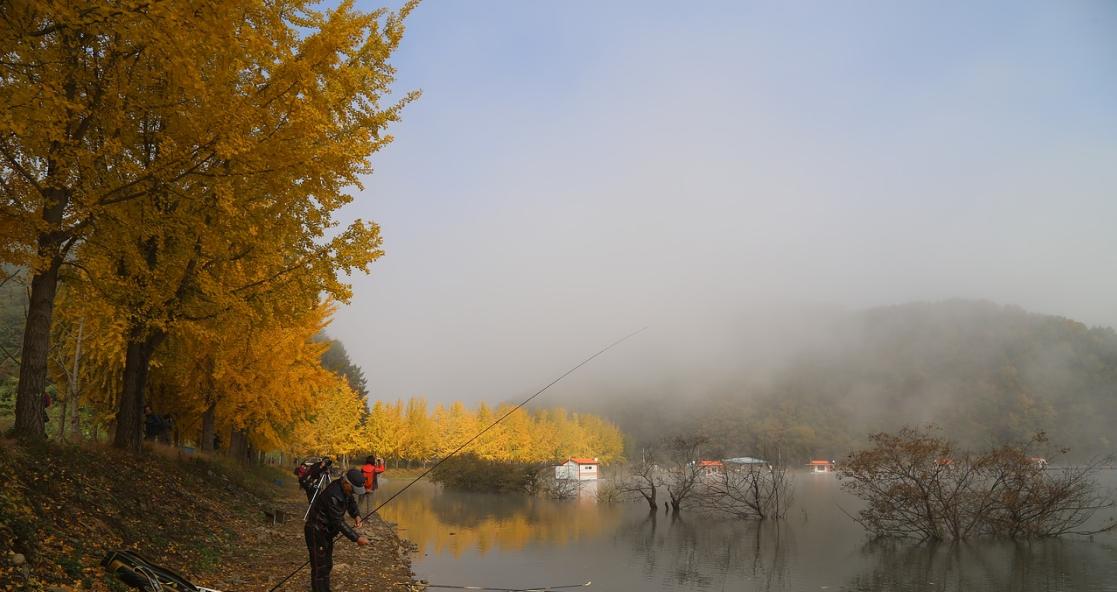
(267, 390)
(171, 174)
(414, 432)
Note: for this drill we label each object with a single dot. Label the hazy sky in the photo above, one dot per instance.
(577, 170)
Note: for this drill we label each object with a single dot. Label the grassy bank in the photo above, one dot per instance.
(63, 506)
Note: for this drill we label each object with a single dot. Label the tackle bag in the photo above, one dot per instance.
(141, 574)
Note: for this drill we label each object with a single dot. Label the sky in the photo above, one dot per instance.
(722, 173)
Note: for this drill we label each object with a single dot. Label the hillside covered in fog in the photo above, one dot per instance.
(983, 372)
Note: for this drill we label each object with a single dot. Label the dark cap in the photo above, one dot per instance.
(357, 479)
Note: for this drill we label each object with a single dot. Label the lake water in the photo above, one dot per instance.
(508, 541)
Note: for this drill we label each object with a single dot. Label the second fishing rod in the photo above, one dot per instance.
(471, 440)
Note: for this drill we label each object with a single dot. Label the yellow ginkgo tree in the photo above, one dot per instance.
(245, 233)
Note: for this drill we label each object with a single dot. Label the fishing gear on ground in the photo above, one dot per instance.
(136, 572)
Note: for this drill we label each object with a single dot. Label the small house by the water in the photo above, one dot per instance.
(577, 469)
(711, 468)
(821, 466)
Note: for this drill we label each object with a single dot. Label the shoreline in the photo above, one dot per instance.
(271, 551)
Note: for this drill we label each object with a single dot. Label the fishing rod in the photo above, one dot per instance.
(470, 441)
(536, 589)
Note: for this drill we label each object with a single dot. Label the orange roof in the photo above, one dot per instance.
(584, 461)
(710, 463)
(820, 462)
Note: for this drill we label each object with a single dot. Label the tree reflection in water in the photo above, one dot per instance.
(459, 522)
(685, 553)
(502, 539)
(1016, 566)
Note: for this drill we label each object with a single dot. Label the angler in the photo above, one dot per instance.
(455, 451)
(326, 520)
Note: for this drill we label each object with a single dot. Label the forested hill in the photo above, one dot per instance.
(983, 372)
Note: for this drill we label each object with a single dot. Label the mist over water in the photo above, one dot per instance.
(509, 541)
(834, 219)
(724, 174)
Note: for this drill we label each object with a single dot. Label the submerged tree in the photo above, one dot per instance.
(918, 484)
(681, 469)
(747, 492)
(642, 480)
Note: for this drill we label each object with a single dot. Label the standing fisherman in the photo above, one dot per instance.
(372, 468)
(326, 520)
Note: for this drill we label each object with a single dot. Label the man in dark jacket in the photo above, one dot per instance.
(326, 520)
(154, 425)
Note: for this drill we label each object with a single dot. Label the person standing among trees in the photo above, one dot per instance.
(372, 468)
(47, 402)
(326, 519)
(155, 425)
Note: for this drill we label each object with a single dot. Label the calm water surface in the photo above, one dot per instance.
(516, 541)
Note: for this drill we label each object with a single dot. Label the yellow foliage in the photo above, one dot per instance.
(188, 160)
(333, 427)
(408, 432)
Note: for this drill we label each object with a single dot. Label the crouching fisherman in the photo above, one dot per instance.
(326, 520)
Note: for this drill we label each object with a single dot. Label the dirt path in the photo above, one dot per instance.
(270, 552)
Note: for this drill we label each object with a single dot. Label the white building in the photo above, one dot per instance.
(578, 469)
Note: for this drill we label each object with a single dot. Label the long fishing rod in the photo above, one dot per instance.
(470, 441)
(535, 589)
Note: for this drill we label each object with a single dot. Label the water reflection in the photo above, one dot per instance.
(1046, 565)
(450, 522)
(517, 541)
(685, 553)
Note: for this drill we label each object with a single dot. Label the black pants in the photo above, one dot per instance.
(321, 548)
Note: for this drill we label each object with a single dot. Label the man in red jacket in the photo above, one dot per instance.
(372, 468)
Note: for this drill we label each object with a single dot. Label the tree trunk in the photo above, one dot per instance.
(130, 416)
(62, 420)
(234, 448)
(207, 428)
(33, 356)
(240, 448)
(75, 385)
(75, 418)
